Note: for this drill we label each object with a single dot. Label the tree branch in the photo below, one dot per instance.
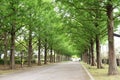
(117, 35)
(22, 44)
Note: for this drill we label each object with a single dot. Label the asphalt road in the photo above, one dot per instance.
(59, 71)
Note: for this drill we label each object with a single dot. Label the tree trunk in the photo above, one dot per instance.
(89, 56)
(85, 56)
(5, 49)
(39, 52)
(60, 57)
(45, 56)
(57, 58)
(12, 50)
(92, 54)
(22, 58)
(30, 47)
(54, 57)
(112, 58)
(51, 55)
(98, 56)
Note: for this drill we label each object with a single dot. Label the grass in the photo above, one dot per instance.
(101, 74)
(2, 72)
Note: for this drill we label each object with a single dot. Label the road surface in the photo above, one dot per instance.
(59, 71)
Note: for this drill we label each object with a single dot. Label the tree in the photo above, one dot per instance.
(112, 59)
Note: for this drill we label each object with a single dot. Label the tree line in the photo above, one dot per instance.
(93, 22)
(32, 25)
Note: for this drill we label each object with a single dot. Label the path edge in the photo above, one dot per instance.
(91, 77)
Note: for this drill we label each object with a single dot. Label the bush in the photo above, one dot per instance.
(17, 61)
(1, 61)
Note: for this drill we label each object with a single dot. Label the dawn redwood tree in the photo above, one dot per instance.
(30, 23)
(109, 7)
(99, 63)
(13, 33)
(112, 58)
(12, 17)
(45, 51)
(39, 26)
(96, 14)
(39, 52)
(30, 51)
(92, 53)
(5, 48)
(51, 54)
(13, 29)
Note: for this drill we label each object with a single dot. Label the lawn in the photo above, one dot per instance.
(101, 74)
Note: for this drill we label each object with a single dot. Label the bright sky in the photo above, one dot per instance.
(117, 39)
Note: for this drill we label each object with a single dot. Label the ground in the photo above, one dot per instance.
(59, 71)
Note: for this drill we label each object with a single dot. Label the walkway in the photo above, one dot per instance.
(60, 71)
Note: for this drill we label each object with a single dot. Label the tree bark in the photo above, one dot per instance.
(112, 58)
(92, 54)
(22, 58)
(13, 34)
(98, 56)
(45, 56)
(30, 47)
(89, 56)
(39, 52)
(51, 55)
(5, 49)
(54, 57)
(12, 50)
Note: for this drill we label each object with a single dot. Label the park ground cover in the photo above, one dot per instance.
(101, 74)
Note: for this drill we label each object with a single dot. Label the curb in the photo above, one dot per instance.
(91, 78)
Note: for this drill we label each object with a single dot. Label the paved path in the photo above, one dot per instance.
(60, 71)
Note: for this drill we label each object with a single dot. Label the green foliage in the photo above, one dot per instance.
(81, 18)
(1, 61)
(68, 25)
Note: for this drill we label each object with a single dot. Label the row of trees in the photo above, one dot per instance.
(91, 23)
(32, 25)
(66, 27)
